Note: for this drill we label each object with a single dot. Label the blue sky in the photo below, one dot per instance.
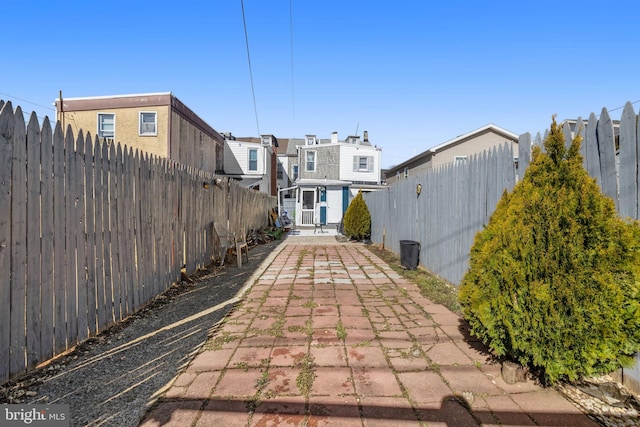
(413, 74)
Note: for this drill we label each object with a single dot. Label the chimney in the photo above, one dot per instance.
(366, 136)
(334, 137)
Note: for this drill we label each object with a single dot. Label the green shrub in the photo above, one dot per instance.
(553, 278)
(357, 219)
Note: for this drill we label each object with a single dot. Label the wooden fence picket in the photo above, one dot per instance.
(114, 171)
(100, 188)
(59, 242)
(18, 244)
(71, 231)
(90, 227)
(607, 153)
(34, 271)
(47, 240)
(6, 153)
(81, 240)
(628, 164)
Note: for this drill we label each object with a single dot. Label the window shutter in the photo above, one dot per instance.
(355, 163)
(370, 164)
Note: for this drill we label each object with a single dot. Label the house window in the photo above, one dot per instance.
(148, 123)
(280, 171)
(460, 159)
(362, 164)
(311, 161)
(253, 160)
(106, 125)
(406, 173)
(295, 171)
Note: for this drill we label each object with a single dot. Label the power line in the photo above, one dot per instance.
(620, 108)
(293, 98)
(28, 102)
(253, 92)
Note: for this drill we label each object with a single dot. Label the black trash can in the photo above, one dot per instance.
(409, 254)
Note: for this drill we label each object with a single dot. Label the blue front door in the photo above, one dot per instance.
(323, 207)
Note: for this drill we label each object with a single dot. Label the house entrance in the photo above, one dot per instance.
(308, 207)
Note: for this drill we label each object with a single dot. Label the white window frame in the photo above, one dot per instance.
(141, 131)
(101, 131)
(306, 160)
(249, 160)
(357, 163)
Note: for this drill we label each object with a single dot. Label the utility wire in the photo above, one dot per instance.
(253, 92)
(28, 102)
(620, 108)
(293, 97)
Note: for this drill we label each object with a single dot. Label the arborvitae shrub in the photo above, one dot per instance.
(357, 219)
(553, 278)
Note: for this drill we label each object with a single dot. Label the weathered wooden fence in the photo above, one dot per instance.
(90, 232)
(457, 200)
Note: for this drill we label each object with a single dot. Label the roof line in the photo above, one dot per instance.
(468, 134)
(131, 95)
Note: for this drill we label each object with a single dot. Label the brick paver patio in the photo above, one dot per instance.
(329, 334)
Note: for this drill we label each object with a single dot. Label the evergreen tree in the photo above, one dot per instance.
(553, 278)
(357, 219)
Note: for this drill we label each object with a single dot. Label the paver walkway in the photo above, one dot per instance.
(330, 335)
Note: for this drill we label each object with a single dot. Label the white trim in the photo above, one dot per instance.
(249, 150)
(133, 95)
(306, 162)
(155, 123)
(98, 131)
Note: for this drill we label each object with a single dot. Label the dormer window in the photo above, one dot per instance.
(266, 140)
(311, 140)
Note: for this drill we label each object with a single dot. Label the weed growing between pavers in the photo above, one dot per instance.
(296, 328)
(276, 328)
(307, 374)
(220, 340)
(242, 365)
(301, 256)
(341, 331)
(310, 304)
(261, 383)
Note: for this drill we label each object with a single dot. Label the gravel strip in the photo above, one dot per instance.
(111, 379)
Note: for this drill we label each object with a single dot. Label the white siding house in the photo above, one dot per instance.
(331, 173)
(250, 163)
(360, 164)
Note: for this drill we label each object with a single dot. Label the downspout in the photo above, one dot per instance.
(170, 154)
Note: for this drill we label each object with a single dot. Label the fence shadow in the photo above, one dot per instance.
(451, 411)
